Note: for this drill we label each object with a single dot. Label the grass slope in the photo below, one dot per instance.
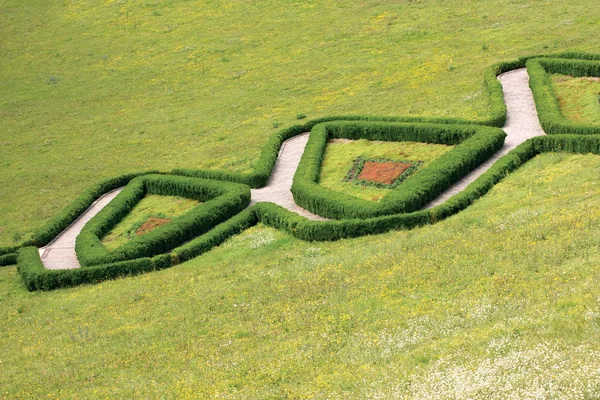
(92, 89)
(579, 98)
(340, 155)
(500, 300)
(151, 205)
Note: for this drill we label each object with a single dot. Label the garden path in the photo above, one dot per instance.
(278, 189)
(60, 252)
(522, 123)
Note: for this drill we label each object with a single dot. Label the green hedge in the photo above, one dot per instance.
(56, 225)
(475, 144)
(36, 277)
(210, 227)
(546, 102)
(8, 259)
(8, 249)
(222, 200)
(275, 216)
(215, 236)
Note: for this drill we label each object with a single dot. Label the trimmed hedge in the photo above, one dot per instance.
(275, 216)
(36, 277)
(56, 225)
(475, 144)
(215, 236)
(8, 259)
(222, 200)
(548, 109)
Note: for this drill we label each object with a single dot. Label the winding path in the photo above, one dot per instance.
(522, 124)
(60, 252)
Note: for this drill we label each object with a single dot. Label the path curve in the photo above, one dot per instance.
(278, 189)
(522, 123)
(60, 252)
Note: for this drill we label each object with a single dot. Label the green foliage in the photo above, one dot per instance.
(397, 210)
(59, 223)
(475, 145)
(8, 259)
(36, 277)
(221, 201)
(546, 102)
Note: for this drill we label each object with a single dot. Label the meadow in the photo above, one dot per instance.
(579, 98)
(503, 296)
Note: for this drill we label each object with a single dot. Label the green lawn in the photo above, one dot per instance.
(163, 207)
(340, 155)
(93, 89)
(501, 297)
(579, 98)
(499, 300)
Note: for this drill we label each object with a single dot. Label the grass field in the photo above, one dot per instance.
(89, 90)
(163, 207)
(579, 98)
(503, 296)
(340, 155)
(500, 300)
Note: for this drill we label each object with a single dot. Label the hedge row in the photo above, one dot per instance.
(221, 200)
(278, 217)
(56, 225)
(36, 277)
(548, 109)
(475, 144)
(8, 259)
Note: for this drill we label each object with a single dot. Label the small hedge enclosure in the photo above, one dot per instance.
(226, 195)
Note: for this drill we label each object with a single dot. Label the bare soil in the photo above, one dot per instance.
(151, 224)
(385, 172)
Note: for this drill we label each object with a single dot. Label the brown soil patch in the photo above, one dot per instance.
(385, 172)
(151, 224)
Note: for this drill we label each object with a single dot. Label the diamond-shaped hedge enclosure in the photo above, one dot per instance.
(219, 202)
(548, 108)
(473, 145)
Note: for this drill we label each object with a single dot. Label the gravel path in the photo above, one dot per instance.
(522, 124)
(60, 253)
(278, 188)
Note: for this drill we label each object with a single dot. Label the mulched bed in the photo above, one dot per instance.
(381, 173)
(151, 224)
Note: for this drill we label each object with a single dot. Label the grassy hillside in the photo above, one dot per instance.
(92, 89)
(500, 299)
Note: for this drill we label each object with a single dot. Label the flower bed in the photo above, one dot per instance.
(381, 173)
